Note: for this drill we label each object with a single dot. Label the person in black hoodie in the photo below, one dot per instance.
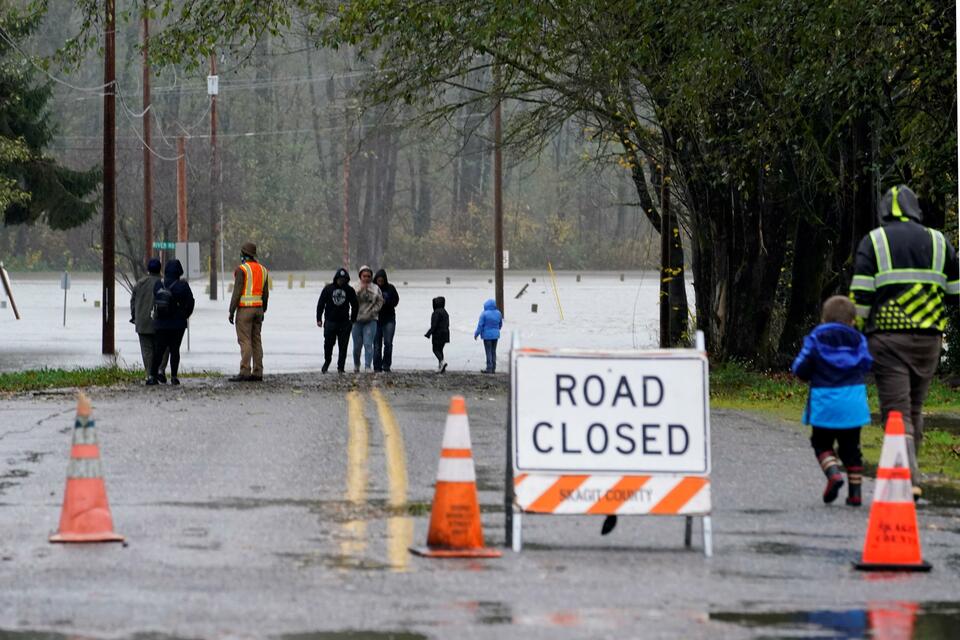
(386, 323)
(337, 307)
(173, 304)
(439, 331)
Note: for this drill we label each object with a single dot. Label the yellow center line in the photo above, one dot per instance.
(358, 448)
(399, 527)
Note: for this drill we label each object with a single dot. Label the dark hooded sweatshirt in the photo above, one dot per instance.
(388, 312)
(182, 297)
(905, 274)
(439, 322)
(338, 305)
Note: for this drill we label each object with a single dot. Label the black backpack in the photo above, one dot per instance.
(162, 303)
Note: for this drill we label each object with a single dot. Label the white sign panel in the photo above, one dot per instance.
(626, 413)
(188, 253)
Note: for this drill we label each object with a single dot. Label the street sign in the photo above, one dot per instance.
(506, 258)
(188, 253)
(164, 245)
(615, 413)
(65, 281)
(609, 433)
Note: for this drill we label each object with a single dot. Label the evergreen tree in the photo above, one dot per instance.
(33, 185)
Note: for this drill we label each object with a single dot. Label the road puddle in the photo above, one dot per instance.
(354, 635)
(53, 635)
(931, 621)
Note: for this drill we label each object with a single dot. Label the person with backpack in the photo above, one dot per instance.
(172, 305)
(141, 317)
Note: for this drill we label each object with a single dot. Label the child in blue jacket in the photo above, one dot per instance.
(488, 328)
(834, 359)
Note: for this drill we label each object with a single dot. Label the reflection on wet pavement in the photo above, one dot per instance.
(887, 620)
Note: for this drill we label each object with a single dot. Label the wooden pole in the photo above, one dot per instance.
(214, 186)
(181, 189)
(346, 192)
(147, 157)
(108, 236)
(498, 202)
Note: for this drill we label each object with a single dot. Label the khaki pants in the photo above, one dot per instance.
(248, 322)
(903, 366)
(146, 352)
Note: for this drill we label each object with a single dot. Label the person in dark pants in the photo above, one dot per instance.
(488, 328)
(834, 360)
(386, 323)
(173, 304)
(439, 331)
(336, 312)
(141, 315)
(906, 280)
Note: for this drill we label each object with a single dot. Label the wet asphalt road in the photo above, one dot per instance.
(287, 508)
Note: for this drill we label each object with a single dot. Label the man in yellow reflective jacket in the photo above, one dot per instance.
(251, 290)
(905, 275)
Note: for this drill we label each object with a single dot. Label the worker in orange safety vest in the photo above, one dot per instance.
(251, 288)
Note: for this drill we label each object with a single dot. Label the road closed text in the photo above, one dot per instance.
(611, 414)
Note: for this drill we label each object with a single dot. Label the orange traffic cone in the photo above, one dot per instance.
(86, 514)
(893, 539)
(455, 528)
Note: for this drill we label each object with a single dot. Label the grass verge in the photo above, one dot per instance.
(33, 380)
(783, 396)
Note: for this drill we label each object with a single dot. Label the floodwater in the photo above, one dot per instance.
(602, 310)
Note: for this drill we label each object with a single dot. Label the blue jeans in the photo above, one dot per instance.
(383, 345)
(363, 333)
(490, 347)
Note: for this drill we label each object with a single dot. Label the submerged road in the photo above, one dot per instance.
(286, 510)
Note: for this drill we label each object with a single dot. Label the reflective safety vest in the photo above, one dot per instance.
(904, 275)
(254, 280)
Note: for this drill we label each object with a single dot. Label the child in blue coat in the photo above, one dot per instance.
(488, 328)
(834, 359)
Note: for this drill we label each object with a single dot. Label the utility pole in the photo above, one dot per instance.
(181, 189)
(147, 158)
(213, 90)
(498, 198)
(109, 177)
(346, 191)
(666, 232)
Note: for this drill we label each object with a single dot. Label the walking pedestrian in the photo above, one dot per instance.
(369, 301)
(141, 316)
(905, 274)
(834, 360)
(251, 292)
(172, 305)
(439, 331)
(488, 328)
(336, 313)
(386, 323)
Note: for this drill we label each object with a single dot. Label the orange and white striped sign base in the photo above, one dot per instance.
(612, 495)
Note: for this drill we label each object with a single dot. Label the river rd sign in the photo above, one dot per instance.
(619, 413)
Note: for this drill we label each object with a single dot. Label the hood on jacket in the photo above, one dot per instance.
(153, 266)
(841, 345)
(439, 302)
(490, 305)
(173, 270)
(365, 268)
(381, 273)
(899, 204)
(341, 273)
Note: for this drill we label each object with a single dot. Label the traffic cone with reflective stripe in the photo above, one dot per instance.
(455, 528)
(86, 514)
(893, 539)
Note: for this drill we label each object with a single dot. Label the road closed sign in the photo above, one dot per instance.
(632, 413)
